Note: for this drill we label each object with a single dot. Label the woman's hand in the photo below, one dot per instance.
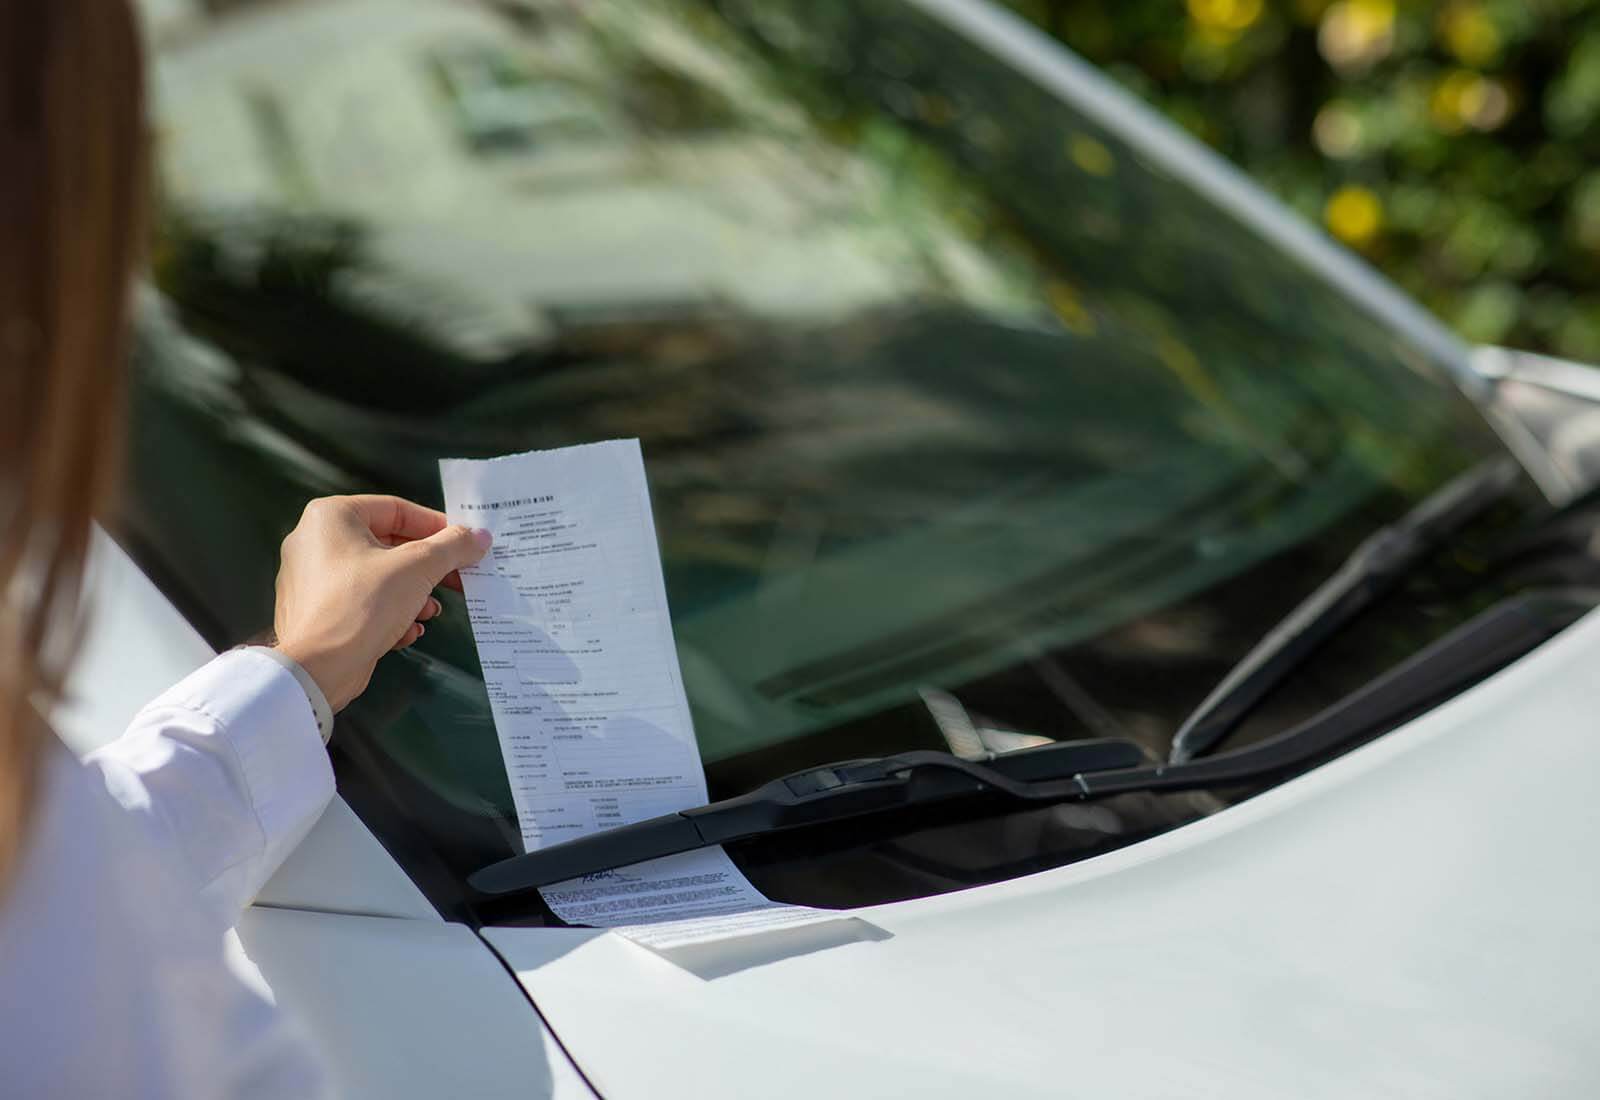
(356, 581)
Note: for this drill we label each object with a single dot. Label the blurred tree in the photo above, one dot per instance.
(1453, 144)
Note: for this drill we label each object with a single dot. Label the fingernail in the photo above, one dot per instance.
(482, 537)
(421, 630)
(438, 608)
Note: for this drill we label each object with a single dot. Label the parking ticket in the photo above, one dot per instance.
(569, 612)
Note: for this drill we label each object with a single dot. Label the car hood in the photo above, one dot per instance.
(1420, 917)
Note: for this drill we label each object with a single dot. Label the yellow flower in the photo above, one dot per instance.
(1465, 98)
(1356, 33)
(1227, 16)
(1469, 33)
(1090, 155)
(1355, 215)
(1337, 130)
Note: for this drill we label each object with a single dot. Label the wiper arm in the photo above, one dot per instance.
(831, 792)
(1063, 772)
(1381, 560)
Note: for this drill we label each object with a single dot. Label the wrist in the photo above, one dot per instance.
(321, 668)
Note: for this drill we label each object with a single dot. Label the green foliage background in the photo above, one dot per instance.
(1454, 144)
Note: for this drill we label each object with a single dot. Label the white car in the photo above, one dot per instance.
(984, 413)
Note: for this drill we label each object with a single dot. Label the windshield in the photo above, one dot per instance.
(950, 403)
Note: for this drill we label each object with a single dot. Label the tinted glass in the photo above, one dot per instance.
(951, 405)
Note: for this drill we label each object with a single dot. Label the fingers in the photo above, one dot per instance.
(446, 551)
(393, 520)
(431, 609)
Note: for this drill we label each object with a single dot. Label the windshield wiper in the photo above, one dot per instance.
(1382, 559)
(848, 788)
(1062, 772)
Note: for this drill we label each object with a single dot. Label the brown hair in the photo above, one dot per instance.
(71, 191)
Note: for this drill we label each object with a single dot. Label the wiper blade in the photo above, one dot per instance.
(1476, 649)
(832, 792)
(1382, 559)
(1040, 776)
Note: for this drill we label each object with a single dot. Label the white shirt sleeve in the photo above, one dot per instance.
(122, 975)
(320, 710)
(226, 771)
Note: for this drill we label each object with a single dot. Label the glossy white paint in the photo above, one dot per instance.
(1419, 918)
(341, 868)
(408, 1009)
(1566, 376)
(1557, 399)
(136, 645)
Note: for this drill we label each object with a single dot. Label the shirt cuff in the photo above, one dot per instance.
(320, 710)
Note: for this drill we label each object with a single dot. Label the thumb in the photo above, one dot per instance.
(443, 552)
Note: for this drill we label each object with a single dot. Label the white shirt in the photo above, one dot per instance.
(120, 975)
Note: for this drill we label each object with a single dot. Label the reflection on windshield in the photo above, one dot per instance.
(940, 388)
